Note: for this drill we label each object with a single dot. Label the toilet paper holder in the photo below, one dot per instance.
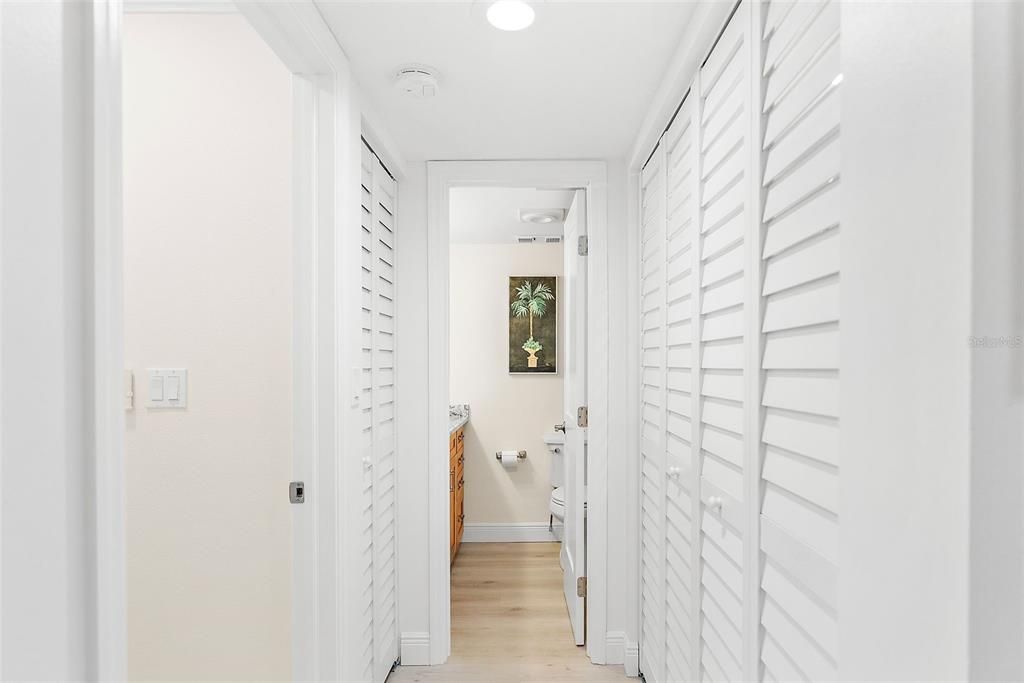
(521, 455)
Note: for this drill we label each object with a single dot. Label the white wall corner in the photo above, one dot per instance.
(511, 533)
(631, 658)
(415, 648)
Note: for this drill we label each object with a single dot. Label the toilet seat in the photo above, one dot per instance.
(557, 502)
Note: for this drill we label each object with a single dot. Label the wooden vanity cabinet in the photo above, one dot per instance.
(456, 489)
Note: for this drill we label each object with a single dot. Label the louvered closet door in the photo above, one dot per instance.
(799, 522)
(377, 572)
(652, 418)
(681, 586)
(385, 566)
(725, 228)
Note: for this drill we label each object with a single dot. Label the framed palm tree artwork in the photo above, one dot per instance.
(532, 325)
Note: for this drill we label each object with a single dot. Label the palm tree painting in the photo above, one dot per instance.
(532, 324)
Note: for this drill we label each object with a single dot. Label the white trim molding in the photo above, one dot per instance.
(415, 648)
(615, 647)
(631, 658)
(108, 344)
(441, 177)
(498, 532)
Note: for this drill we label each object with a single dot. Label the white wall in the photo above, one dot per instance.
(621, 457)
(906, 170)
(508, 412)
(997, 359)
(47, 570)
(208, 287)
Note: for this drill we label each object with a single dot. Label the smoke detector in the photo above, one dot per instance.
(542, 216)
(417, 81)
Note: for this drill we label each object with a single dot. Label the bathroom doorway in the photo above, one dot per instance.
(517, 361)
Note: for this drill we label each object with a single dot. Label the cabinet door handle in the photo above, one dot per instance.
(460, 483)
(451, 480)
(462, 458)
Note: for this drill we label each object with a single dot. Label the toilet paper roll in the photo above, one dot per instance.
(509, 459)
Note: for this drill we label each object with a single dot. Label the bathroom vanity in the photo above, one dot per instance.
(456, 482)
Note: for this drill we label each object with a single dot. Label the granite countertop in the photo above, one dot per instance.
(456, 422)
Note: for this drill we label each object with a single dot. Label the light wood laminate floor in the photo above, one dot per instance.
(509, 622)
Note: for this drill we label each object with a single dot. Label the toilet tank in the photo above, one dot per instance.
(555, 443)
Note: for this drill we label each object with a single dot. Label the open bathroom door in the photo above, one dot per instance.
(574, 312)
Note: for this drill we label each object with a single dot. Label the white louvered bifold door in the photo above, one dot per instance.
(740, 359)
(669, 477)
(377, 572)
(799, 523)
(652, 417)
(726, 217)
(682, 587)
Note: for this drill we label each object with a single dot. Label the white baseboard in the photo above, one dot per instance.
(615, 647)
(415, 648)
(510, 533)
(632, 658)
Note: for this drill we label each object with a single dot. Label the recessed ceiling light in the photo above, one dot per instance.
(510, 15)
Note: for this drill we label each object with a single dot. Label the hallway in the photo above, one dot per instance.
(509, 623)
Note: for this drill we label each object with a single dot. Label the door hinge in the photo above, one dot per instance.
(583, 248)
(581, 587)
(582, 419)
(297, 492)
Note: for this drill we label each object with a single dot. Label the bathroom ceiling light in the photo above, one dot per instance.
(510, 15)
(541, 216)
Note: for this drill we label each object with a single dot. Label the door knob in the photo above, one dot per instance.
(367, 462)
(674, 472)
(560, 428)
(715, 502)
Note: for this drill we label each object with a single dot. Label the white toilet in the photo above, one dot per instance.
(555, 443)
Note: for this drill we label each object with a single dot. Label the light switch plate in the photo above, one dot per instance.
(168, 388)
(129, 389)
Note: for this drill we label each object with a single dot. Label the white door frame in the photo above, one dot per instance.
(327, 128)
(442, 176)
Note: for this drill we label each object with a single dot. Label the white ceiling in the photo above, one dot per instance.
(573, 85)
(490, 215)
